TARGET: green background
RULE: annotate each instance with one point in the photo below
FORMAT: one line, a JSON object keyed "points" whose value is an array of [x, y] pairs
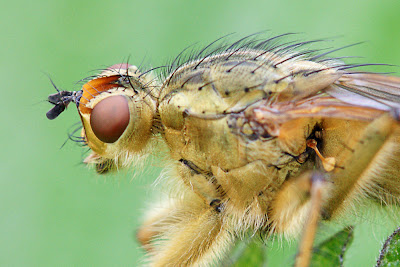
{"points": [[53, 211]]}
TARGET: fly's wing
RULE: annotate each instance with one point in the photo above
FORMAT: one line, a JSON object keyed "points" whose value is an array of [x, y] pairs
{"points": [[353, 97], [321, 105], [369, 90], [359, 98]]}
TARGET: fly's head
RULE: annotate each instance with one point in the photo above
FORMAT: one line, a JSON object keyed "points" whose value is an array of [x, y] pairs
{"points": [[117, 110]]}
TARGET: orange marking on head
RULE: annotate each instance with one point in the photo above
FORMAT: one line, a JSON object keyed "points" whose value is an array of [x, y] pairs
{"points": [[94, 87]]}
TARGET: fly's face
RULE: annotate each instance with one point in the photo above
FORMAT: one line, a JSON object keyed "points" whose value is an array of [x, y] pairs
{"points": [[117, 111]]}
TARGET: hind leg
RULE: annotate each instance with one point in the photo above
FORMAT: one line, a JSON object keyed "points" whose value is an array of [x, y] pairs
{"points": [[302, 201]]}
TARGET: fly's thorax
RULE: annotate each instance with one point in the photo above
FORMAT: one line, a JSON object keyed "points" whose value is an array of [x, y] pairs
{"points": [[308, 77], [217, 85], [234, 80], [206, 143], [214, 117], [198, 99], [117, 112]]}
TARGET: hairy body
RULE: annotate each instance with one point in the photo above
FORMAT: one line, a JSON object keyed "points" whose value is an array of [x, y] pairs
{"points": [[248, 129]]}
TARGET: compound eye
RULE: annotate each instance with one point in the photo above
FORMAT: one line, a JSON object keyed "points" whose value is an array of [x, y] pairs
{"points": [[109, 118]]}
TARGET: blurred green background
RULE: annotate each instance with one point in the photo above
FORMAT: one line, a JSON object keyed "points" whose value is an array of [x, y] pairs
{"points": [[53, 211]]}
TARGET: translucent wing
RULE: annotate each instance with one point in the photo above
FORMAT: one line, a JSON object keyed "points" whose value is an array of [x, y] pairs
{"points": [[359, 97], [352, 96], [369, 90]]}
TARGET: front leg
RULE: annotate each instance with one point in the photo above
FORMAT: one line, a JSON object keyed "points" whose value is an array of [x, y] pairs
{"points": [[189, 232]]}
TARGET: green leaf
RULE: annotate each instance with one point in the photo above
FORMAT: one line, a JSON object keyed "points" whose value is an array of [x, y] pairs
{"points": [[390, 253], [250, 254], [331, 251]]}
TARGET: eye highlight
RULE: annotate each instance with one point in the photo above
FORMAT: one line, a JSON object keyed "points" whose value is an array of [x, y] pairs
{"points": [[109, 118]]}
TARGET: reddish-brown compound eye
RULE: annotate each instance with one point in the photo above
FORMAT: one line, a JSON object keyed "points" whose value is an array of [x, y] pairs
{"points": [[109, 118]]}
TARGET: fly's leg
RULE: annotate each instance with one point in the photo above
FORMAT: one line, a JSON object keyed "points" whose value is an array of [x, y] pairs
{"points": [[198, 239], [363, 169], [298, 204], [310, 228], [344, 180], [306, 197], [156, 220], [188, 232]]}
